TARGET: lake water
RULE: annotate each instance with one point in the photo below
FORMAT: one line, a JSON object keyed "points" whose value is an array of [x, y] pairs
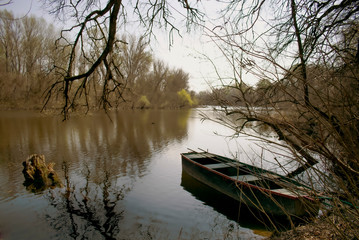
{"points": [[123, 178]]}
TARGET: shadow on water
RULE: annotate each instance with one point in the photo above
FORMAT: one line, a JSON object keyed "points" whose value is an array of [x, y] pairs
{"points": [[231, 208]]}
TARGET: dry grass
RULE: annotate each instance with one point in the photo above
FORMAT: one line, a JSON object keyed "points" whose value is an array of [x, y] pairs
{"points": [[330, 227]]}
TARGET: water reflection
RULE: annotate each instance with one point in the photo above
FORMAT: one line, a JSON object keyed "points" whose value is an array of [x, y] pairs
{"points": [[232, 209], [100, 158], [121, 144], [91, 211], [122, 177]]}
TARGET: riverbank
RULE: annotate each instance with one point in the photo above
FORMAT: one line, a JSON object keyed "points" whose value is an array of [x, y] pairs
{"points": [[58, 108], [330, 227]]}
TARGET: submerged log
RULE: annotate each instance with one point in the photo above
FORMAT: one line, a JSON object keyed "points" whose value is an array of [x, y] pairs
{"points": [[39, 175]]}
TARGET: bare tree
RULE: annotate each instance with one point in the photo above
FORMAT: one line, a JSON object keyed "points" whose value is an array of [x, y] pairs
{"points": [[10, 40], [307, 50], [5, 2], [90, 14], [27, 54]]}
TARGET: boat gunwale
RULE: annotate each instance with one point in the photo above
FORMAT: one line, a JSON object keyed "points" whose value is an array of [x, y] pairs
{"points": [[246, 183]]}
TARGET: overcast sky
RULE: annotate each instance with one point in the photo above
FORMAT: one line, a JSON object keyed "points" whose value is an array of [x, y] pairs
{"points": [[185, 53]]}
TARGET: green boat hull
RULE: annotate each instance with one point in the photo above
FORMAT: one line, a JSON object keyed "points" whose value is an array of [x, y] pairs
{"points": [[266, 195]]}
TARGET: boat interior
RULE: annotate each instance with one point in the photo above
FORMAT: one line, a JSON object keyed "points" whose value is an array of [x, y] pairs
{"points": [[246, 173]]}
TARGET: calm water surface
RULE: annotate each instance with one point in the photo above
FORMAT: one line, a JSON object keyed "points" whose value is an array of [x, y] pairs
{"points": [[123, 178]]}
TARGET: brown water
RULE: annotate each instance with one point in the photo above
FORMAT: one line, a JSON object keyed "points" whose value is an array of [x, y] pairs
{"points": [[123, 176]]}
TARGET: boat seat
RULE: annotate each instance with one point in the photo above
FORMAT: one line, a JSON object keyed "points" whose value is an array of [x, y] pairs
{"points": [[245, 178], [286, 192], [270, 176], [218, 165], [199, 155]]}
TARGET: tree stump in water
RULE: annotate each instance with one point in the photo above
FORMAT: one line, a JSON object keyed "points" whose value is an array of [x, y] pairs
{"points": [[38, 175]]}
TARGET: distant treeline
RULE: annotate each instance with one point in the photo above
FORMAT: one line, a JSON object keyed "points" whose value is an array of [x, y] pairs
{"points": [[32, 52], [27, 57]]}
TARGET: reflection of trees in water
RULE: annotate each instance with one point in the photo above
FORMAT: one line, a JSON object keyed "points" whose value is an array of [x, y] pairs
{"points": [[250, 218], [105, 160], [126, 143], [101, 161], [91, 211], [123, 143]]}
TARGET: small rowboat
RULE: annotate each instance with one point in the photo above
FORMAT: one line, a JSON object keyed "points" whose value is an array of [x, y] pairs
{"points": [[264, 190]]}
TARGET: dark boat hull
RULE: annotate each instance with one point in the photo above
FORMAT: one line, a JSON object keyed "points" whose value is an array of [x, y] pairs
{"points": [[262, 199]]}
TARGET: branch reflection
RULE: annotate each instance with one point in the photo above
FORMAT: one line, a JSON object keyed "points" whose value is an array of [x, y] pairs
{"points": [[89, 211]]}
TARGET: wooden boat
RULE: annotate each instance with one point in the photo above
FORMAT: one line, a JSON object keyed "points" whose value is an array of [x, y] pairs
{"points": [[264, 190]]}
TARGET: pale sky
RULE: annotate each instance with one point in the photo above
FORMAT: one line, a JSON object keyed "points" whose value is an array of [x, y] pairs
{"points": [[185, 53]]}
